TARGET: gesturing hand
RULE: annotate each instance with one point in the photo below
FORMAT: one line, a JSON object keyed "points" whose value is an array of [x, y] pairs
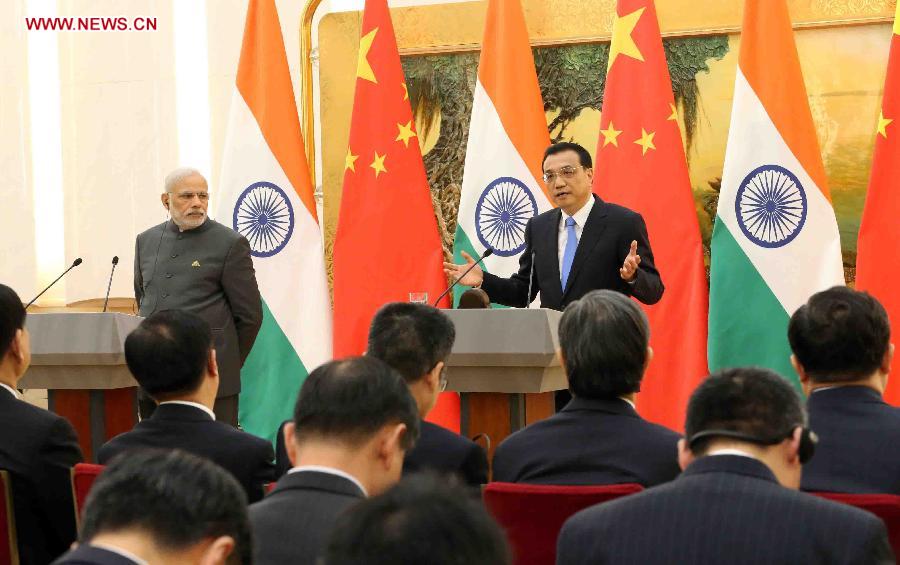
{"points": [[630, 266], [472, 278]]}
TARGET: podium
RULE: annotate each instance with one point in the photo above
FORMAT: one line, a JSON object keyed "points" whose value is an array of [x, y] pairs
{"points": [[505, 368], [79, 358]]}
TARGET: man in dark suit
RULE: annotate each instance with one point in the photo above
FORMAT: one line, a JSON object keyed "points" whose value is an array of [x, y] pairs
{"points": [[194, 263], [37, 448], [583, 245], [353, 422], [598, 438], [416, 339], [842, 351], [172, 357], [736, 501], [163, 507]]}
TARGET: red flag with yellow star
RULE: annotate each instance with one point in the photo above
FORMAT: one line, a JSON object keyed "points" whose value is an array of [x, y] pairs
{"points": [[641, 165], [878, 252], [387, 244]]}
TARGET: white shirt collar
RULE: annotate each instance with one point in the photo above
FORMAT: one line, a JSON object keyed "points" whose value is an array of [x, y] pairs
{"points": [[11, 390], [330, 471], [629, 402], [581, 216], [731, 451], [194, 404], [122, 552]]}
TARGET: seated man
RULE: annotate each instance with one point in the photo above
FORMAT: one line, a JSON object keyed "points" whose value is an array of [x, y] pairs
{"points": [[163, 507], [37, 448], [415, 339], [353, 423], [736, 501], [421, 520], [842, 352], [172, 357], [598, 438]]}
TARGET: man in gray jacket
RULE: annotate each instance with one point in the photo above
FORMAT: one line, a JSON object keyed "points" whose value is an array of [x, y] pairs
{"points": [[194, 263]]}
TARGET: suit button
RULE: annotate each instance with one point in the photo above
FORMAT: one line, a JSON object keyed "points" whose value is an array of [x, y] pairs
{"points": [[168, 275], [165, 295], [175, 255]]}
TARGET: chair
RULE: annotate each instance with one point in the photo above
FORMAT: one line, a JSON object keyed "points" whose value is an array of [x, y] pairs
{"points": [[83, 477], [9, 548], [532, 515], [885, 506]]}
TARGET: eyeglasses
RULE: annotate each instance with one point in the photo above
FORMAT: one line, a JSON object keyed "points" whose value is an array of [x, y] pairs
{"points": [[188, 196], [566, 172]]}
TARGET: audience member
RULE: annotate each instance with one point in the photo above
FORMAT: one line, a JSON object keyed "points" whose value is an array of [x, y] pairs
{"points": [[172, 357], [37, 448], [842, 352], [421, 520], [353, 422], [598, 438], [416, 339], [163, 507], [736, 501]]}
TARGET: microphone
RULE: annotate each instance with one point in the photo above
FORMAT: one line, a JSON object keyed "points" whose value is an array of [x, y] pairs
{"points": [[530, 279], [74, 264], [115, 262], [487, 253]]}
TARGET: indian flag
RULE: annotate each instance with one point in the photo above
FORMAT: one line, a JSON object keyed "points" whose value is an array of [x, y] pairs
{"points": [[776, 239], [501, 189], [265, 193]]}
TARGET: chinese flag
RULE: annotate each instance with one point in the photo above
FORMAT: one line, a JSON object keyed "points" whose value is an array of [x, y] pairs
{"points": [[641, 165], [387, 243], [878, 250]]}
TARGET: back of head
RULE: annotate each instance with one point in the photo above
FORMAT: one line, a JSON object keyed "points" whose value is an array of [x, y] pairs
{"points": [[421, 520], [411, 338], [603, 338], [169, 353], [176, 499], [753, 402], [840, 334], [12, 317], [348, 401]]}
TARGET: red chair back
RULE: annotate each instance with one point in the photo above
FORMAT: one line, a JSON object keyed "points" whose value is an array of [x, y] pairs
{"points": [[532, 515], [83, 477], [885, 506], [9, 549]]}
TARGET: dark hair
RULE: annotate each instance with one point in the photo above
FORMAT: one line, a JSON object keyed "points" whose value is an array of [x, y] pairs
{"points": [[603, 338], [411, 338], [168, 353], [177, 498], [583, 156], [840, 334], [422, 519], [12, 317], [750, 400], [351, 399]]}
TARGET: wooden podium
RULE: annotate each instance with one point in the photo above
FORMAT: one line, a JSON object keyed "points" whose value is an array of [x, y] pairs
{"points": [[505, 368], [79, 358]]}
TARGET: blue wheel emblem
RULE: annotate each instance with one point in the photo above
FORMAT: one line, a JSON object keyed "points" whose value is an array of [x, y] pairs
{"points": [[770, 206], [504, 208], [264, 215]]}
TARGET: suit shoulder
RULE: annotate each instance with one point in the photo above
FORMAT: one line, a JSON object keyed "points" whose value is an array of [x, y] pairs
{"points": [[436, 434], [221, 230], [152, 231], [619, 211]]}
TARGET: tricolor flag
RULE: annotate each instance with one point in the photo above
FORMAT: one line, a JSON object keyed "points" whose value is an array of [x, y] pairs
{"points": [[266, 194], [878, 247], [501, 188], [640, 164], [775, 240]]}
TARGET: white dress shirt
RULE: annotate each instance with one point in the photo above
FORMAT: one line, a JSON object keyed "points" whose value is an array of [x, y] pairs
{"points": [[330, 471], [580, 217], [729, 451], [194, 404], [11, 390]]}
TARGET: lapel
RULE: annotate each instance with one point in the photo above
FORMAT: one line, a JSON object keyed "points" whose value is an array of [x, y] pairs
{"points": [[590, 235], [550, 236]]}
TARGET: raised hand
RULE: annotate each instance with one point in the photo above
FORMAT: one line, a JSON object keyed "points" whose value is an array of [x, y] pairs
{"points": [[630, 265], [472, 278]]}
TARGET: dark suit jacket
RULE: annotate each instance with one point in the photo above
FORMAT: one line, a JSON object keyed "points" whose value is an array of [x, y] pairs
{"points": [[292, 524], [39, 448], [89, 555], [723, 509], [172, 426], [207, 270], [439, 449], [605, 241], [859, 442], [590, 442]]}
